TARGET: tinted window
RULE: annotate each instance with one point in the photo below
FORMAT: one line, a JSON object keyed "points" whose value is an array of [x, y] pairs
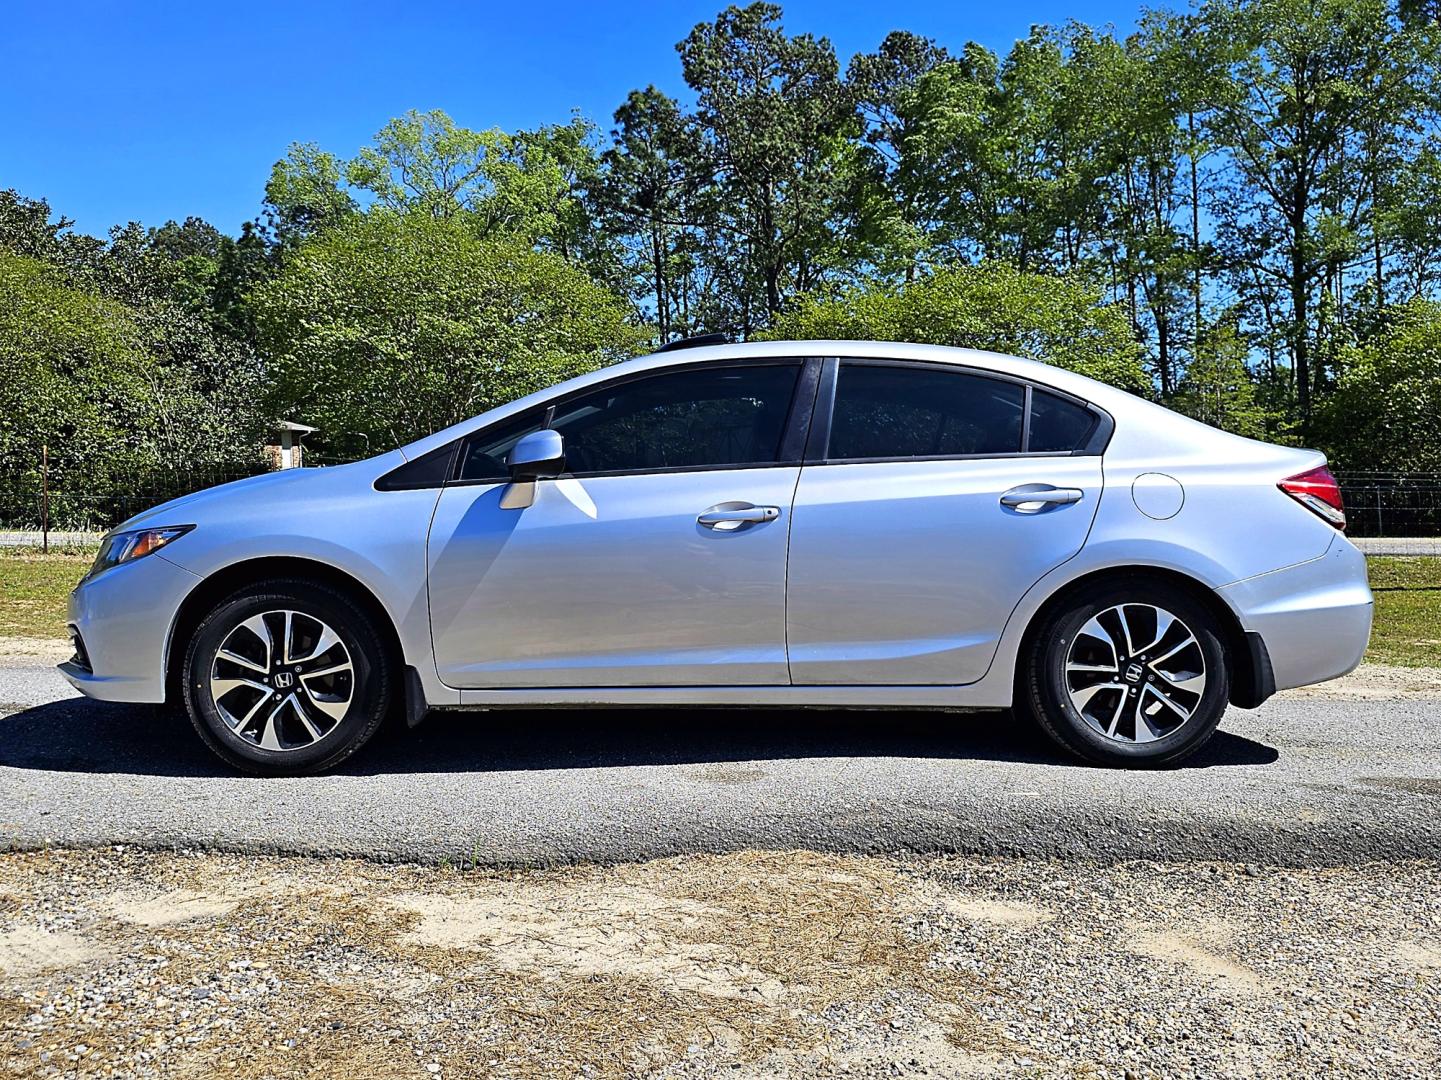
{"points": [[681, 419], [1057, 425], [431, 470], [483, 456], [890, 412]]}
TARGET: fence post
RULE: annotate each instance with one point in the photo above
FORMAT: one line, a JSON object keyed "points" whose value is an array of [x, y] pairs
{"points": [[45, 498]]}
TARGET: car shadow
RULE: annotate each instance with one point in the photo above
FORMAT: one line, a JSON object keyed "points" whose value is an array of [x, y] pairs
{"points": [[81, 736]]}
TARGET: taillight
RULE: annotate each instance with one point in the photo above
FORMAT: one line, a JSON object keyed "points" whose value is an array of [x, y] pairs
{"points": [[1316, 489]]}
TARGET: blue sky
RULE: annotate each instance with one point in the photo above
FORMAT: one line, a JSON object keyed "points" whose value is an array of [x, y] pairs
{"points": [[127, 110]]}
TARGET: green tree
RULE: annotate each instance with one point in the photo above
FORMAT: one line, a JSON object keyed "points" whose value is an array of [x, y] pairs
{"points": [[1219, 389], [895, 188], [1149, 88], [82, 373], [390, 326], [1008, 153], [1384, 411], [651, 192], [26, 229], [529, 185], [1316, 90], [70, 371], [306, 194], [779, 127], [1060, 320]]}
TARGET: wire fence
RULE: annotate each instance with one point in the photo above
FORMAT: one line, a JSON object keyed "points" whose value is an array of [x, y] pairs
{"points": [[1402, 508], [32, 503], [1392, 504]]}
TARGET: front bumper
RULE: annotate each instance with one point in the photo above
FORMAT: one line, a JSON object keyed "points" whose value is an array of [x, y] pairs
{"points": [[1314, 617], [124, 617]]}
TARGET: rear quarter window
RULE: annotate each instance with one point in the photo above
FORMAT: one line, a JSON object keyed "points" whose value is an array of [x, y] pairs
{"points": [[1058, 426]]}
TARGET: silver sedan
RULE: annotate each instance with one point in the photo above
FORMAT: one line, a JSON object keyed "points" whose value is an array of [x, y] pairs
{"points": [[830, 524]]}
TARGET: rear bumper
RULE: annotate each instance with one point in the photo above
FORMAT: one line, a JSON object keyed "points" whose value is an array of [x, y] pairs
{"points": [[124, 618], [1314, 618]]}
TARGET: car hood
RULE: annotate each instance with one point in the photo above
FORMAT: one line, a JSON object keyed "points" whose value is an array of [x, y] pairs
{"points": [[269, 487]]}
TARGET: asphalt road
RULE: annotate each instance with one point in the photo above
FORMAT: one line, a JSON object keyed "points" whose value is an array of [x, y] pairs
{"points": [[1301, 781]]}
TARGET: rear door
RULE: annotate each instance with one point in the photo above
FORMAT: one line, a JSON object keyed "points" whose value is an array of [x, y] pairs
{"points": [[933, 497]]}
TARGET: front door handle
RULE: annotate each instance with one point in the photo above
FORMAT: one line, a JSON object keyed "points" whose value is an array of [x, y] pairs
{"points": [[1033, 498], [727, 517]]}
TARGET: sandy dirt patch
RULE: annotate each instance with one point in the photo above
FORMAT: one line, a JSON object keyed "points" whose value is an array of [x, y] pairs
{"points": [[31, 950], [627, 932], [31, 649], [1177, 948], [1376, 681], [175, 906]]}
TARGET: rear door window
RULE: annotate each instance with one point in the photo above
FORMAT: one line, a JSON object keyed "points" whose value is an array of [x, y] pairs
{"points": [[894, 411]]}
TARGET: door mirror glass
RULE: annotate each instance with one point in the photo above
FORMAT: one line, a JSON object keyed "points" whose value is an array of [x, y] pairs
{"points": [[537, 456]]}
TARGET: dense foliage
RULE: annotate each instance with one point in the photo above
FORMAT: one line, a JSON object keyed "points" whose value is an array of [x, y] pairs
{"points": [[393, 325], [991, 306], [1236, 209], [1387, 405]]}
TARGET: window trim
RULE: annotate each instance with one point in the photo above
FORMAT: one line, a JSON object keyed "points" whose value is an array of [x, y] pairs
{"points": [[798, 419], [1093, 444]]}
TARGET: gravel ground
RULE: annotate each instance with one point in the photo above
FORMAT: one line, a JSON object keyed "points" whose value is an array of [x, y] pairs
{"points": [[753, 964]]}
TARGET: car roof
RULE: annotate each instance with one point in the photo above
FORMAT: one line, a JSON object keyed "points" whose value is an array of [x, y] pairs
{"points": [[888, 350]]}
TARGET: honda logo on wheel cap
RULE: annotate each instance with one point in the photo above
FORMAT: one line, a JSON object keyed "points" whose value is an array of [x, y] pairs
{"points": [[1133, 673], [284, 680]]}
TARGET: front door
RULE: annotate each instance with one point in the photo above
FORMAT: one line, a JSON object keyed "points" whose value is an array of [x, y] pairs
{"points": [[658, 560], [935, 506]]}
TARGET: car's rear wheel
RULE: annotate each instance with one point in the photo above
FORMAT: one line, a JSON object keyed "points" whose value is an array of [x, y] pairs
{"points": [[1128, 673], [287, 677]]}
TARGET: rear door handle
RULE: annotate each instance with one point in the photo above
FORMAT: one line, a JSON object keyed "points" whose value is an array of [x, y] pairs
{"points": [[727, 517], [1032, 498]]}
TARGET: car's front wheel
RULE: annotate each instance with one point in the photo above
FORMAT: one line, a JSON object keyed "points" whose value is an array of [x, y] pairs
{"points": [[1128, 673], [287, 677]]}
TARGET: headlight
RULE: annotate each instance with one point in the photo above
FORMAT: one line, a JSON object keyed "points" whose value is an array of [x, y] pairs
{"points": [[123, 547]]}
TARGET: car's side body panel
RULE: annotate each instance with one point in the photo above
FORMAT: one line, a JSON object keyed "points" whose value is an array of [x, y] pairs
{"points": [[612, 581], [342, 522], [1315, 617], [903, 572]]}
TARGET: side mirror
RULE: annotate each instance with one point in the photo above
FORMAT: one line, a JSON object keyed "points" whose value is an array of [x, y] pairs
{"points": [[537, 456]]}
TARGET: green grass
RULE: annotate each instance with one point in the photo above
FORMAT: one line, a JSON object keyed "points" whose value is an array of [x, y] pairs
{"points": [[1407, 631], [33, 588]]}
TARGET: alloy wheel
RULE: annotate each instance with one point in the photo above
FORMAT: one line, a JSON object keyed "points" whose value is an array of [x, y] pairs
{"points": [[1135, 673], [282, 680]]}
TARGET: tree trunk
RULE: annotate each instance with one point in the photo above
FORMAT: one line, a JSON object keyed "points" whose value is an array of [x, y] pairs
{"points": [[1163, 350], [1300, 346], [1195, 238], [662, 302]]}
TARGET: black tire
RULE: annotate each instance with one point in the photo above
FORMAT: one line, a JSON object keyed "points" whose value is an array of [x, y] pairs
{"points": [[1044, 688], [369, 683]]}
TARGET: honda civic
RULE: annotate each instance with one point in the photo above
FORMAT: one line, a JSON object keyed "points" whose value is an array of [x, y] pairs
{"points": [[774, 524]]}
